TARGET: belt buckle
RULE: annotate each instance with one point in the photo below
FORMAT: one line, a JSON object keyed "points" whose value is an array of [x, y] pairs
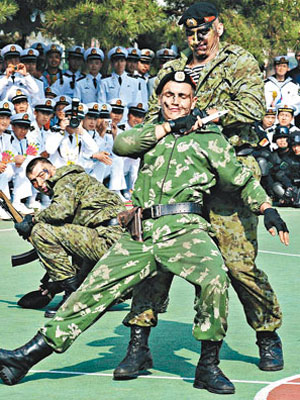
{"points": [[155, 211]]}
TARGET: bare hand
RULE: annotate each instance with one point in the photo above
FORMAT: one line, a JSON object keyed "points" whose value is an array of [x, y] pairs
{"points": [[63, 123], [45, 154], [22, 69], [103, 156], [101, 127], [3, 167], [19, 159]]}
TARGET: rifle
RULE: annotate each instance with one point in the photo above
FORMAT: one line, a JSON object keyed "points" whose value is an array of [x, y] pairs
{"points": [[30, 255]]}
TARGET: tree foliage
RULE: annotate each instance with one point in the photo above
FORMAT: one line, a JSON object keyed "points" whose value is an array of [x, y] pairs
{"points": [[264, 27]]}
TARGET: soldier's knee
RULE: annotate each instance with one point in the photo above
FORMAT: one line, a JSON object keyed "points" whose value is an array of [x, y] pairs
{"points": [[37, 233]]}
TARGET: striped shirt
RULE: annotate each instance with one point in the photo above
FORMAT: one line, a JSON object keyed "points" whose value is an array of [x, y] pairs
{"points": [[194, 72]]}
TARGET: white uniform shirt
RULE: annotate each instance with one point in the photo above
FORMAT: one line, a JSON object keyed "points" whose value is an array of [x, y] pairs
{"points": [[286, 92], [85, 89]]}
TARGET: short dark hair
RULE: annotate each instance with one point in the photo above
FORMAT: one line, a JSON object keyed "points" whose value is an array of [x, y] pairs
{"points": [[34, 162]]}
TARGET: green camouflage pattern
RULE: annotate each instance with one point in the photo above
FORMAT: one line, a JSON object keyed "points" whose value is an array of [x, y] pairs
{"points": [[170, 240], [173, 169], [236, 233], [73, 222], [56, 243], [231, 81]]}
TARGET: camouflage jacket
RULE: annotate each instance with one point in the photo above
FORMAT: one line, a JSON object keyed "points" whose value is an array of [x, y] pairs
{"points": [[182, 168], [231, 81], [79, 199]]}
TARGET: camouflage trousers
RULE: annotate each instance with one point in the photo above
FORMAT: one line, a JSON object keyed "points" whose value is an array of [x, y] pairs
{"points": [[235, 229], [175, 244], [62, 249]]}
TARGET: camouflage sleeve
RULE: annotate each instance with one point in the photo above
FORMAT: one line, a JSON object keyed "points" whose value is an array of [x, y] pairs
{"points": [[245, 100], [136, 141], [233, 176], [63, 204]]}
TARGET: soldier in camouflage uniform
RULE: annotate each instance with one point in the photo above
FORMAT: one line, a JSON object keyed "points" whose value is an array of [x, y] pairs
{"points": [[180, 163], [76, 229], [227, 78]]}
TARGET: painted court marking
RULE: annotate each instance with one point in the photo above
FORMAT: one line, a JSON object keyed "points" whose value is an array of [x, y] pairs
{"points": [[180, 378], [263, 394]]}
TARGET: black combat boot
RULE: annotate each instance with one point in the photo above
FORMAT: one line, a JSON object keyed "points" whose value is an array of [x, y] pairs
{"points": [[69, 286], [138, 357], [14, 364], [270, 351], [208, 374]]}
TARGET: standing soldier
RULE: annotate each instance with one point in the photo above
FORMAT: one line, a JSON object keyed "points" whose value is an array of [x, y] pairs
{"points": [[87, 89], [227, 78], [52, 73]]}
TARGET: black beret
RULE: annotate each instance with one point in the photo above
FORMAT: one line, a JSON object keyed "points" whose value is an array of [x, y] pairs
{"points": [[281, 132], [199, 14], [176, 76]]}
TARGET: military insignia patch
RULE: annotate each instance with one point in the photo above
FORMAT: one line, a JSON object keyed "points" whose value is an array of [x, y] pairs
{"points": [[179, 76]]}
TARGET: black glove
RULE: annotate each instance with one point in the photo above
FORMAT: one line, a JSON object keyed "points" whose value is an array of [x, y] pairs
{"points": [[272, 218], [184, 124], [24, 228]]}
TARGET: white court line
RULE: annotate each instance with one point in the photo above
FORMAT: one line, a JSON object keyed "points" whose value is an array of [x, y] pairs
{"points": [[7, 230], [180, 378], [279, 254], [263, 393]]}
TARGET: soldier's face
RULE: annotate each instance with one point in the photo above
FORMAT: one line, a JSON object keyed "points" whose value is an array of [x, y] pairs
{"points": [[4, 122], [177, 100], [116, 117], [39, 175], [59, 111], [30, 67], [143, 66], [42, 118], [75, 63], [131, 66], [204, 41], [282, 143], [119, 65], [134, 120], [296, 149], [21, 107], [54, 59], [285, 118], [281, 70], [268, 121], [20, 130], [89, 123], [94, 66]]}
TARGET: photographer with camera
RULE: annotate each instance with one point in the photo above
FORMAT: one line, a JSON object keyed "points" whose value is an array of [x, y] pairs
{"points": [[16, 75], [71, 144]]}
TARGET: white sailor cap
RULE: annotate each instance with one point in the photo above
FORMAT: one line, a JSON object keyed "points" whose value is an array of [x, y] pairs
{"points": [[18, 95], [167, 54], [11, 50], [46, 105], [133, 53], [139, 109], [21, 119], [39, 46], [51, 92], [29, 54], [147, 55], [6, 108], [76, 51], [105, 110], [54, 48], [117, 51], [93, 109], [281, 60], [117, 105], [93, 53], [281, 107], [82, 110], [66, 100]]}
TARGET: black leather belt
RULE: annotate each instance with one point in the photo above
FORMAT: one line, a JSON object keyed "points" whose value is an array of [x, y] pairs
{"points": [[167, 209], [110, 222]]}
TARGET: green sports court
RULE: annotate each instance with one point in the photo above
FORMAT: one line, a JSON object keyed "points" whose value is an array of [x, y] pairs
{"points": [[85, 371]]}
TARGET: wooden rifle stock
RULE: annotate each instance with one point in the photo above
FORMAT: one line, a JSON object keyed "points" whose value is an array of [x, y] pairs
{"points": [[30, 255]]}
